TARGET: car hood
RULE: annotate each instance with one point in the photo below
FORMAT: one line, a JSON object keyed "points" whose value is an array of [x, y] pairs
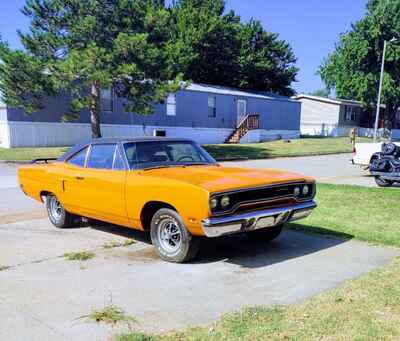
{"points": [[219, 178]]}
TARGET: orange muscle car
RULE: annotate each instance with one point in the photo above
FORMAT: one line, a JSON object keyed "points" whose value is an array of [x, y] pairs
{"points": [[170, 187]]}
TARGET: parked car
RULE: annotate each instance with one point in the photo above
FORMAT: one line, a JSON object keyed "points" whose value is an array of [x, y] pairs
{"points": [[363, 153], [170, 187]]}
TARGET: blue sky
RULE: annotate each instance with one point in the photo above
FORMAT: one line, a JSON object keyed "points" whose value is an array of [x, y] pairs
{"points": [[310, 26]]}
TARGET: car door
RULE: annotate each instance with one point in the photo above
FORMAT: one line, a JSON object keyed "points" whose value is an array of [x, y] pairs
{"points": [[104, 184], [98, 188]]}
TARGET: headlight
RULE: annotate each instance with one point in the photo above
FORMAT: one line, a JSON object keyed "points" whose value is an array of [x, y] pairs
{"points": [[296, 191], [225, 201], [213, 203], [306, 190]]}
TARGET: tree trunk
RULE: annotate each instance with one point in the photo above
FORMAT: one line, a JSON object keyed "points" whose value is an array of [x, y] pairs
{"points": [[95, 110]]}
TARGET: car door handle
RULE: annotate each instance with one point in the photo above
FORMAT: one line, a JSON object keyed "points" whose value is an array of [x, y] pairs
{"points": [[79, 178]]}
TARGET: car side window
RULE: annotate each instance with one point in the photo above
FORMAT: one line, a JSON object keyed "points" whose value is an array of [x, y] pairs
{"points": [[101, 156], [118, 160], [79, 158], [131, 156]]}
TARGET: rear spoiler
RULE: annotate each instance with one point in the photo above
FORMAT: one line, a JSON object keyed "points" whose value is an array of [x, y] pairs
{"points": [[44, 160]]}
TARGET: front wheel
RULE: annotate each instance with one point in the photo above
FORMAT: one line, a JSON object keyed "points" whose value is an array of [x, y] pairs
{"points": [[382, 182], [173, 242], [58, 216], [267, 234]]}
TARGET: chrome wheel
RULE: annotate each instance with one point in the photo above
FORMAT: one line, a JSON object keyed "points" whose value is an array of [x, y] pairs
{"points": [[170, 235], [56, 209]]}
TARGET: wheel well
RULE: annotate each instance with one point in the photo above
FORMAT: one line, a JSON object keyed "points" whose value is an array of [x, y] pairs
{"points": [[44, 194], [149, 210]]}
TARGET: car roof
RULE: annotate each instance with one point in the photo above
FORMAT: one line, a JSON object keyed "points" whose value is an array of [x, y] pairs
{"points": [[105, 140]]}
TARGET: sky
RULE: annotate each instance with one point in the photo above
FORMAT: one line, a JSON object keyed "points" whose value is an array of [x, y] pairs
{"points": [[312, 27]]}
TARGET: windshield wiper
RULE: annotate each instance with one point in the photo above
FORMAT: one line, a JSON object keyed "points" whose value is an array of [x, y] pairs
{"points": [[158, 167]]}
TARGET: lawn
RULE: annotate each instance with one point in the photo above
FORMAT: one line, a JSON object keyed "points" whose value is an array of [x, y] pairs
{"points": [[297, 147], [25, 154], [367, 214], [367, 308]]}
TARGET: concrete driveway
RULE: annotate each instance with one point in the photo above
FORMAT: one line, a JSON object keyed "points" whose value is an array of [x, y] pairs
{"points": [[43, 296]]}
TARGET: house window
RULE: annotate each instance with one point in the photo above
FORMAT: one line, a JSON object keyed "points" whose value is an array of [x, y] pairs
{"points": [[107, 100], [171, 105], [212, 106], [350, 113]]}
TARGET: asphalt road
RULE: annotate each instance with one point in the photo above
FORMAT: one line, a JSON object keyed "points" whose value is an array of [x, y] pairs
{"points": [[335, 169], [43, 296]]}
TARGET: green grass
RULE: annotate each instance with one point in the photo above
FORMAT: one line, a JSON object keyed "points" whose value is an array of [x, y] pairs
{"points": [[367, 308], [111, 315], [27, 154], [367, 214], [296, 147], [112, 244], [81, 256]]}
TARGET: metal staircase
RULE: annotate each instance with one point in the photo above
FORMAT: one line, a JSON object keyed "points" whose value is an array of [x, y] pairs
{"points": [[250, 122]]}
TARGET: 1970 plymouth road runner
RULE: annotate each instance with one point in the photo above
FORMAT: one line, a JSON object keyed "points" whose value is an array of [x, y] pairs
{"points": [[170, 187]]}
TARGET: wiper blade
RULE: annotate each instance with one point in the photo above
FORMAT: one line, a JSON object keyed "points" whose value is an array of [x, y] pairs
{"points": [[196, 164], [157, 167]]}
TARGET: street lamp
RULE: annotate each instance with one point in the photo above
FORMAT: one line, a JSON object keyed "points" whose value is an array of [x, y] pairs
{"points": [[378, 106]]}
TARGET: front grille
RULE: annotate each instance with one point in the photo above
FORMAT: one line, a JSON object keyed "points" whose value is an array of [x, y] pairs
{"points": [[261, 197]]}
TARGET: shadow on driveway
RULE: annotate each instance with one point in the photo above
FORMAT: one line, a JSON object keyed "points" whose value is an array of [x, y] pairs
{"points": [[294, 242]]}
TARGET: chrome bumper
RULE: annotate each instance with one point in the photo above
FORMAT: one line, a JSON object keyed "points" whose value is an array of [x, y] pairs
{"points": [[215, 227]]}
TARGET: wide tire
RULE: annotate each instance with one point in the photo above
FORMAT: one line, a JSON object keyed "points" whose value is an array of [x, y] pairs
{"points": [[172, 241], [382, 182], [265, 235], [58, 216]]}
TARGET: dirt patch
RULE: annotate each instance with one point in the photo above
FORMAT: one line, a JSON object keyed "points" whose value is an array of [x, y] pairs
{"points": [[145, 255], [16, 217]]}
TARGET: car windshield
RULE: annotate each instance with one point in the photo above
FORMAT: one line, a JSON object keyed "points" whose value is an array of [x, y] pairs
{"points": [[160, 154]]}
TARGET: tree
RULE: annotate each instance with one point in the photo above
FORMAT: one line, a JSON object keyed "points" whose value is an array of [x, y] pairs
{"points": [[353, 69], [320, 93], [83, 46], [214, 47]]}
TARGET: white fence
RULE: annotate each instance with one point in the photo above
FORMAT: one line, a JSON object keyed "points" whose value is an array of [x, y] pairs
{"points": [[334, 130]]}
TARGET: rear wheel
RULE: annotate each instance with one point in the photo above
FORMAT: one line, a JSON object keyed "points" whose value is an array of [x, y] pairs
{"points": [[173, 242], [58, 216], [267, 234], [383, 182]]}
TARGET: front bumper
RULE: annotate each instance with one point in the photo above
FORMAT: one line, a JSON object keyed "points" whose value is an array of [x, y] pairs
{"points": [[219, 226]]}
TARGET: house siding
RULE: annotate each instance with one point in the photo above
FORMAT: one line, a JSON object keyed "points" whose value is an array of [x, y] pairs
{"points": [[41, 128]]}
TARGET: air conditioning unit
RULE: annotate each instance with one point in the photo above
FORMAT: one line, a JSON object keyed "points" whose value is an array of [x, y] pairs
{"points": [[159, 133]]}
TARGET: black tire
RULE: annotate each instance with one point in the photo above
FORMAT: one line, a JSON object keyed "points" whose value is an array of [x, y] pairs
{"points": [[172, 241], [266, 235], [382, 182], [58, 216]]}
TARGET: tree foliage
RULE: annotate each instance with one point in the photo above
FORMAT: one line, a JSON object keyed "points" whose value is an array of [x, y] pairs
{"points": [[83, 46], [320, 93], [143, 49], [215, 47], [353, 69]]}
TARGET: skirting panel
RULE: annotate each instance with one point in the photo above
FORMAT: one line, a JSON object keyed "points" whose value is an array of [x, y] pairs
{"points": [[35, 134], [4, 134], [262, 135]]}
